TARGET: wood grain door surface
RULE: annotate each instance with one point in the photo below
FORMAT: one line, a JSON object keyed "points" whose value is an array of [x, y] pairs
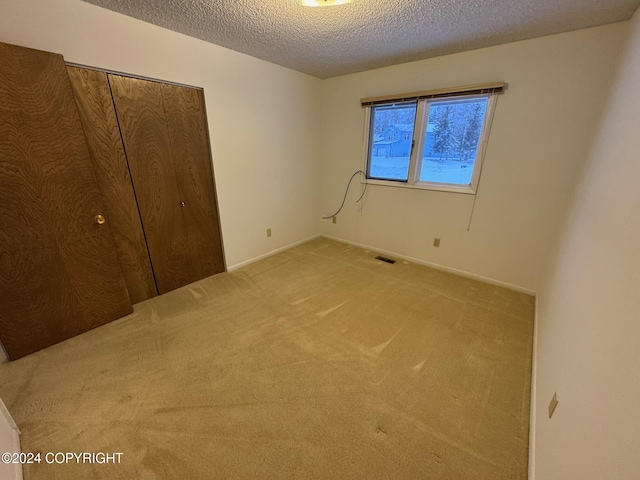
{"points": [[164, 132], [98, 116], [188, 133], [59, 271]]}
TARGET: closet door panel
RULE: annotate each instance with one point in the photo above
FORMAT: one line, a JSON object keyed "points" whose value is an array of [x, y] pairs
{"points": [[59, 273], [186, 122], [95, 105], [141, 116]]}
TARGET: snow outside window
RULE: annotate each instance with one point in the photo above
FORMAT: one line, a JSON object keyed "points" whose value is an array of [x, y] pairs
{"points": [[435, 143]]}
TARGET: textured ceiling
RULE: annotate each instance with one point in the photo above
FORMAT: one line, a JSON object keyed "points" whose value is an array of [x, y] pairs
{"points": [[365, 34]]}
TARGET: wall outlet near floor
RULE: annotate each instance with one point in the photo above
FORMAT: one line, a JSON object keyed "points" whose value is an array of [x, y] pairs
{"points": [[436, 242], [333, 219], [553, 404], [268, 232]]}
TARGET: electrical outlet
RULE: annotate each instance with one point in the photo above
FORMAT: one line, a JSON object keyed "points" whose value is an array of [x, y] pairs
{"points": [[436, 242], [268, 232], [333, 219], [553, 404]]}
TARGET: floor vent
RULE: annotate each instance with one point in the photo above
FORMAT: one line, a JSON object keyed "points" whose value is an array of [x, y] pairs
{"points": [[385, 259]]}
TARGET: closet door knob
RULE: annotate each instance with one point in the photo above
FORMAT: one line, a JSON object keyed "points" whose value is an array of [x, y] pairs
{"points": [[99, 219], [182, 204]]}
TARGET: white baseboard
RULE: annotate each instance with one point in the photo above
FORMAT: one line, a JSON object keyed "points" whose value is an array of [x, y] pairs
{"points": [[437, 266], [9, 442], [271, 253], [532, 405]]}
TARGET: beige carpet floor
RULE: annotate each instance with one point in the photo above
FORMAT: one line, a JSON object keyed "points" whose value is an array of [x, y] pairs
{"points": [[317, 363]]}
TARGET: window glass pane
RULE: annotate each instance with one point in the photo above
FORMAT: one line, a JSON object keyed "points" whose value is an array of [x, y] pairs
{"points": [[451, 142], [390, 138]]}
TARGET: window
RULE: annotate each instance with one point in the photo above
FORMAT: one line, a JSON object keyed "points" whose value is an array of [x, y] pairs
{"points": [[434, 140]]}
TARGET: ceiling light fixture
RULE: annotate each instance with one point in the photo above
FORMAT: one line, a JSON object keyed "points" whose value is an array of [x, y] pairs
{"points": [[323, 3]]}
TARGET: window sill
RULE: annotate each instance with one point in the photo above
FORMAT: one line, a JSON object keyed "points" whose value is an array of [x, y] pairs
{"points": [[438, 187]]}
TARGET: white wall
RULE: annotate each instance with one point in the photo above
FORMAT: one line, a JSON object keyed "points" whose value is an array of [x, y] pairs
{"points": [[588, 345], [262, 117], [541, 134], [9, 442]]}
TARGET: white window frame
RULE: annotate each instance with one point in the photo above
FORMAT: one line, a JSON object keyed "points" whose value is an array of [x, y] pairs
{"points": [[415, 158]]}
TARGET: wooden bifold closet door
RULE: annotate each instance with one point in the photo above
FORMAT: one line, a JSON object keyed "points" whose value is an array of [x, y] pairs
{"points": [[107, 196], [164, 131], [98, 116], [59, 271], [150, 146]]}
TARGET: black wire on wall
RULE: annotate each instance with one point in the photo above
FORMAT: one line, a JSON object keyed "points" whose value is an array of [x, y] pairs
{"points": [[347, 191]]}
